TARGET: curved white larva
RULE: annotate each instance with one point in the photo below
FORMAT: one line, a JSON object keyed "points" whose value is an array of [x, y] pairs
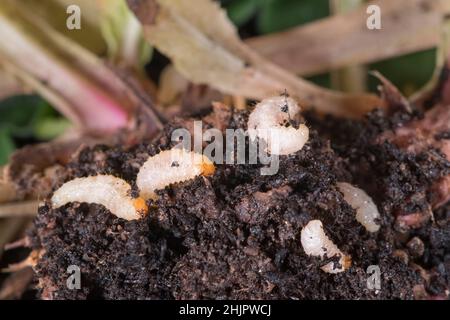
{"points": [[316, 243], [366, 210], [111, 192], [270, 122], [171, 166]]}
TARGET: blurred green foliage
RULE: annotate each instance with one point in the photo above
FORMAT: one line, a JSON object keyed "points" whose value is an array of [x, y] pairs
{"points": [[276, 15], [409, 72], [241, 12], [28, 119], [6, 145]]}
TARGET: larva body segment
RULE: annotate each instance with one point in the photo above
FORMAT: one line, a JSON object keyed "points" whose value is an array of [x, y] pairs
{"points": [[171, 166], [271, 121], [111, 192], [366, 211], [316, 243]]}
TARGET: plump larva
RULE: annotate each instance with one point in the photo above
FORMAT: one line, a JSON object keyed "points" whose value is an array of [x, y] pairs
{"points": [[171, 166], [316, 243], [271, 121], [111, 192], [366, 210]]}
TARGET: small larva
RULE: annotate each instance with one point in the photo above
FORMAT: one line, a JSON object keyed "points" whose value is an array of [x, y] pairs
{"points": [[271, 122], [111, 192], [366, 210], [316, 243], [171, 166]]}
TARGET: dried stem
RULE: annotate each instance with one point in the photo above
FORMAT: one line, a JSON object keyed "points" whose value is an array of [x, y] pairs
{"points": [[9, 86], [9, 229], [7, 191], [438, 80], [16, 284], [62, 71], [343, 40], [213, 54], [21, 243], [351, 78], [19, 209], [30, 261]]}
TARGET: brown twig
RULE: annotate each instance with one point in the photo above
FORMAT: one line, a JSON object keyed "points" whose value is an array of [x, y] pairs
{"points": [[9, 229], [30, 261], [21, 243]]}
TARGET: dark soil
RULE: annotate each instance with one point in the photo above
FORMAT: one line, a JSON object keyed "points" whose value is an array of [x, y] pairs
{"points": [[236, 234]]}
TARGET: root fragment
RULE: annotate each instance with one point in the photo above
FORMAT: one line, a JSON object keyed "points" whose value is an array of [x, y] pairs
{"points": [[30, 261]]}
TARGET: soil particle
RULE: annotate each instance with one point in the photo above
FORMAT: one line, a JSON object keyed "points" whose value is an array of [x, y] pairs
{"points": [[416, 247]]}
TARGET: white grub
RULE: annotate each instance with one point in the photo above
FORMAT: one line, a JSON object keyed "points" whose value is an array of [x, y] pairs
{"points": [[271, 122], [316, 243], [366, 210], [171, 166], [111, 192]]}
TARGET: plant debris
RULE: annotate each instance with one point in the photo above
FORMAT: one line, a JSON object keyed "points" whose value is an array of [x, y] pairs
{"points": [[223, 61]]}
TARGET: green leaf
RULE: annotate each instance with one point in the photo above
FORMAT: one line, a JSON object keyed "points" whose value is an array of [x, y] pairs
{"points": [[19, 110], [50, 128], [322, 80], [31, 117], [6, 145], [47, 124], [241, 11], [278, 15]]}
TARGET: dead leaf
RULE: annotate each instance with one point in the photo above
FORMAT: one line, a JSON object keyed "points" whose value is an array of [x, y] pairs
{"points": [[212, 53]]}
